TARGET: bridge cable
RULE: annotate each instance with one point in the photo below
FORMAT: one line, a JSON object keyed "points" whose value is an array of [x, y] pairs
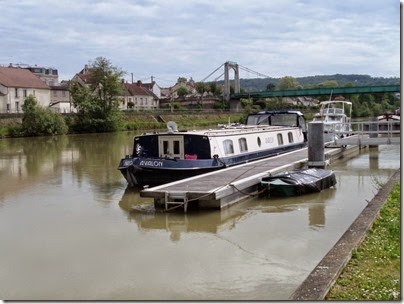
{"points": [[254, 72], [203, 80], [217, 78]]}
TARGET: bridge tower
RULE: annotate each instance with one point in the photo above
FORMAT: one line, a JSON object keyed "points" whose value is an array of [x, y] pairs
{"points": [[228, 65]]}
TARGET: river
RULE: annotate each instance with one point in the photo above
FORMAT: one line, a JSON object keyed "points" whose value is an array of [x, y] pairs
{"points": [[70, 229]]}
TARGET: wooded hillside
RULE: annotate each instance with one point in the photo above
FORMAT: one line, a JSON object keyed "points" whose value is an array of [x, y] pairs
{"points": [[260, 84]]}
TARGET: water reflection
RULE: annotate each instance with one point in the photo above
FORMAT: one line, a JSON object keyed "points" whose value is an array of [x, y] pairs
{"points": [[315, 203], [146, 217], [93, 159], [142, 212]]}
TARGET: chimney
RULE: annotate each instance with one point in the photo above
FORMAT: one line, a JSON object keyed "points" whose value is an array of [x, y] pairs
{"points": [[139, 83]]}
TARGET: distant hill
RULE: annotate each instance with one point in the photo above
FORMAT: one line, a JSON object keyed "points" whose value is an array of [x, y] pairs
{"points": [[260, 84]]}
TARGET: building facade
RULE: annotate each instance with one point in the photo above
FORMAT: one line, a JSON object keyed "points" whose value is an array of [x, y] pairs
{"points": [[136, 97], [16, 84]]}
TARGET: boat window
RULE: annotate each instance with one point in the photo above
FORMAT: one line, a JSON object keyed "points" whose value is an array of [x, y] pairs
{"points": [[197, 145], [165, 147], [171, 146], [228, 146], [259, 119], [176, 144], [284, 120], [290, 137], [280, 139], [243, 144], [259, 141]]}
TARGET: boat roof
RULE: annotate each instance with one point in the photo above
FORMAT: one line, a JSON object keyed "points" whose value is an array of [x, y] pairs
{"points": [[278, 112], [227, 130], [335, 101]]}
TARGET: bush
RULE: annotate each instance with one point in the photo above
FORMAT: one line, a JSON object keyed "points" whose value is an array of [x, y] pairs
{"points": [[39, 121]]}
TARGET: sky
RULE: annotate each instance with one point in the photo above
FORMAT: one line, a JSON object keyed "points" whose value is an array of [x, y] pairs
{"points": [[168, 39]]}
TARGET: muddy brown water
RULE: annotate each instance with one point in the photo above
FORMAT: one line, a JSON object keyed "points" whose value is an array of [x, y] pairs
{"points": [[71, 229]]}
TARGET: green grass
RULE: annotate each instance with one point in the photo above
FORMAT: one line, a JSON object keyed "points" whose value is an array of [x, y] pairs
{"points": [[373, 273]]}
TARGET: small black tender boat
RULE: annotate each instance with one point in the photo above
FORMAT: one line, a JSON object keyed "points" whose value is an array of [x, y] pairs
{"points": [[298, 182]]}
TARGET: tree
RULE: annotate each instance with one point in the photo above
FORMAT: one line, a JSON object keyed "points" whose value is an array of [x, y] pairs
{"points": [[181, 80], [40, 121], [270, 87], [289, 83], [182, 91], [105, 79], [328, 84], [98, 103], [200, 87], [213, 87]]}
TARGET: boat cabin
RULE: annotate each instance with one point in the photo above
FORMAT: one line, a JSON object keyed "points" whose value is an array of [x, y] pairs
{"points": [[174, 146]]}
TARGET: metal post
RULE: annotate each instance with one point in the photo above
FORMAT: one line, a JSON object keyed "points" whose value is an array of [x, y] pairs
{"points": [[315, 149], [373, 128]]}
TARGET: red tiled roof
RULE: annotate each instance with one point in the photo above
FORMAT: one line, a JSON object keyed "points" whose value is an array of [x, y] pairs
{"points": [[135, 89], [20, 78]]}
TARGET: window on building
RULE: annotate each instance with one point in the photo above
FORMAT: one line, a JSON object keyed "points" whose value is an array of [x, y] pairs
{"points": [[24, 93], [228, 146], [17, 106], [243, 144], [16, 92], [8, 108]]}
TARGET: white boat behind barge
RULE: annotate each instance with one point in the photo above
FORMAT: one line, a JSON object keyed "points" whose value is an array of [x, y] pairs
{"points": [[159, 158], [336, 116]]}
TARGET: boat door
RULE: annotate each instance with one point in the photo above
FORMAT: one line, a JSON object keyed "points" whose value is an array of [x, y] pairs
{"points": [[171, 146]]}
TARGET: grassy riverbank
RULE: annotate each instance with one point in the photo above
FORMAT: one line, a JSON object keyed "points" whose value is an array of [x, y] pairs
{"points": [[12, 127], [184, 120], [373, 273]]}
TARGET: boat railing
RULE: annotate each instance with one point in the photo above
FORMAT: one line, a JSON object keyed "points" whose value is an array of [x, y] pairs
{"points": [[366, 128]]}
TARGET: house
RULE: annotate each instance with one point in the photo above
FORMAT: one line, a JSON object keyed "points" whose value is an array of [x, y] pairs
{"points": [[16, 84], [136, 97], [82, 77], [60, 98], [189, 85], [48, 75], [153, 87]]}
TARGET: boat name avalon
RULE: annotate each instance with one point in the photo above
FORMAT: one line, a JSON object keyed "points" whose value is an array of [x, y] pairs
{"points": [[159, 158]]}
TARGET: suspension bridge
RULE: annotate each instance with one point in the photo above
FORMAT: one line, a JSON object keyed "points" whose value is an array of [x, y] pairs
{"points": [[235, 97]]}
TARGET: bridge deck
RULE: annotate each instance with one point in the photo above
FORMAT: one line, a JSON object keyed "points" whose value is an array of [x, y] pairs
{"points": [[319, 91]]}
